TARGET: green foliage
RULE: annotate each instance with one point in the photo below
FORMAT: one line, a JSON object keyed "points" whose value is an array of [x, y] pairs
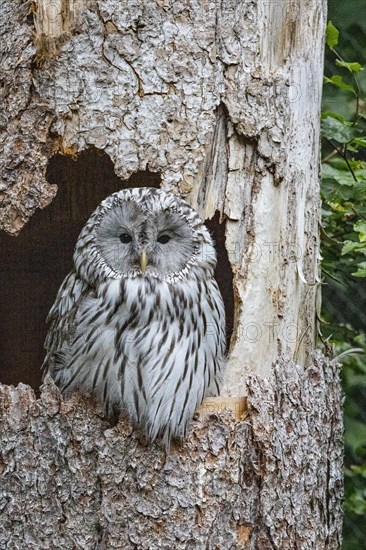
{"points": [[344, 255], [332, 35]]}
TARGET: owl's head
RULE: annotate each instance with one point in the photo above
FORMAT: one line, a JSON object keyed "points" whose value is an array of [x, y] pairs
{"points": [[142, 232]]}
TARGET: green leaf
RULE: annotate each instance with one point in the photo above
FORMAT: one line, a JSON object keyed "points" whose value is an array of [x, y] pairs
{"points": [[332, 35], [341, 131], [357, 470], [360, 227], [355, 432], [351, 246], [352, 67], [326, 114], [356, 502], [336, 206], [360, 141], [361, 272], [337, 80]]}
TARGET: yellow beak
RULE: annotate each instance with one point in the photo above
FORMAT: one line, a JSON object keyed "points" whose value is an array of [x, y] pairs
{"points": [[143, 260]]}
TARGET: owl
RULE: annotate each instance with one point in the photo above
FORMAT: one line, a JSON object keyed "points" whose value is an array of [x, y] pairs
{"points": [[139, 322]]}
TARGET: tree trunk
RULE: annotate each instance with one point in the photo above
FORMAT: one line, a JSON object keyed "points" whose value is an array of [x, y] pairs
{"points": [[221, 102]]}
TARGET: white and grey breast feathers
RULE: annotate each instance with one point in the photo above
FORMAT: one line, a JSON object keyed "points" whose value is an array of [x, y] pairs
{"points": [[141, 325]]}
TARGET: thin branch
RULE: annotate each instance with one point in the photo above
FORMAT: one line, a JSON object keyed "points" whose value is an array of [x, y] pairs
{"points": [[357, 214], [334, 278], [344, 156], [328, 238], [352, 351], [329, 156], [358, 94]]}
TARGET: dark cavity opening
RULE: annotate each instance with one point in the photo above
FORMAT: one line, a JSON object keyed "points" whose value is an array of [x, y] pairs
{"points": [[223, 273], [35, 263]]}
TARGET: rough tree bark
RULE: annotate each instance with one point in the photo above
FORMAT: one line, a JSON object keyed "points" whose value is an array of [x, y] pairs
{"points": [[222, 99]]}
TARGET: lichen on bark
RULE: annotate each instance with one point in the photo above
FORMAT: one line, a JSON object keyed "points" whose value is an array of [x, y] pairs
{"points": [[25, 120], [68, 480]]}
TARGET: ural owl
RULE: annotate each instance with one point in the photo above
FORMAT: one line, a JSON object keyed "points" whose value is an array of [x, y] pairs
{"points": [[139, 323]]}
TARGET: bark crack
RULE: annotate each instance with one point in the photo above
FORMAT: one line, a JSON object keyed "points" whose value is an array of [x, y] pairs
{"points": [[140, 89]]}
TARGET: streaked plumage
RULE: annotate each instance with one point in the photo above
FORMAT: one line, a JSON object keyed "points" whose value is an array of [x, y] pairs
{"points": [[140, 321]]}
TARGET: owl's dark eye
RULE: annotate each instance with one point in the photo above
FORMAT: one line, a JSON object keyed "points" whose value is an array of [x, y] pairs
{"points": [[163, 239], [125, 238]]}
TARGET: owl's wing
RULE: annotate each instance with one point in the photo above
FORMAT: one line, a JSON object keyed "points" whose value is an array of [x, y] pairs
{"points": [[61, 322]]}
